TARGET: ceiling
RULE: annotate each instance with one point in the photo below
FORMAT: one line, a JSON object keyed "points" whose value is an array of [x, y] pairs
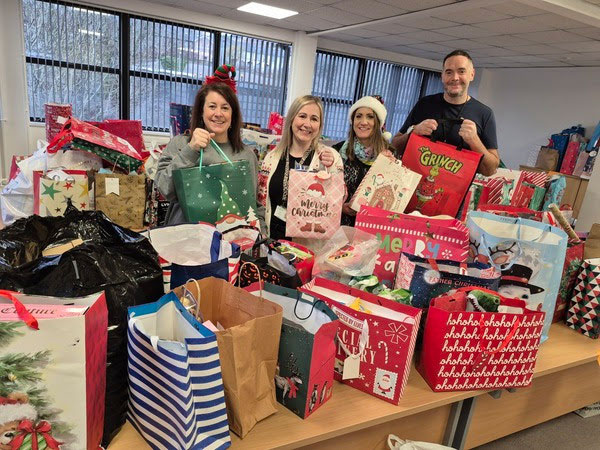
{"points": [[525, 33]]}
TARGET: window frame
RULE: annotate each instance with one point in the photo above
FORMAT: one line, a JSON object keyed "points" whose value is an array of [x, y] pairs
{"points": [[124, 71]]}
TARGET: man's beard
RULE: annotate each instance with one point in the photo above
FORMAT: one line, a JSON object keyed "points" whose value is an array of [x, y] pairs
{"points": [[456, 94]]}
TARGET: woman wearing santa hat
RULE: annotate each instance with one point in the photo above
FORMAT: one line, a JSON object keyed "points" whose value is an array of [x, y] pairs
{"points": [[299, 148], [366, 140], [217, 116]]}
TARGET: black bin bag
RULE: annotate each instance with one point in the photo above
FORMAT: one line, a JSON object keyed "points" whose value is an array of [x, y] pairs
{"points": [[112, 259]]}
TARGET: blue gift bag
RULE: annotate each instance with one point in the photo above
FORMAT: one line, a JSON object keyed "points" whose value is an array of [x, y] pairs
{"points": [[529, 254], [176, 395]]}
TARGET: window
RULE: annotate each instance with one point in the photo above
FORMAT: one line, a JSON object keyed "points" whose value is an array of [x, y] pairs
{"points": [[341, 80], [72, 56], [116, 65], [167, 64]]}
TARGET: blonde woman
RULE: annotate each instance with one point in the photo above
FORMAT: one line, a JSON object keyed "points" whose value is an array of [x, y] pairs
{"points": [[366, 140], [299, 148]]}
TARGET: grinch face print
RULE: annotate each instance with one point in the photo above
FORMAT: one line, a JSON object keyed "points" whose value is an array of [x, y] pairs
{"points": [[385, 383]]}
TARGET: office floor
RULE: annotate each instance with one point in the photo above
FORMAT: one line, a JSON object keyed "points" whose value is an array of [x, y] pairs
{"points": [[565, 432]]}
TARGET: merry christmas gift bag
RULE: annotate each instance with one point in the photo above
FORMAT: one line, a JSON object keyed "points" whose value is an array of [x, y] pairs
{"points": [[304, 377], [466, 347], [387, 185], [52, 371], [529, 254], [193, 251], [248, 346], [209, 193], [53, 191], [376, 338], [176, 394], [583, 314], [447, 174], [314, 208], [422, 236], [429, 278]]}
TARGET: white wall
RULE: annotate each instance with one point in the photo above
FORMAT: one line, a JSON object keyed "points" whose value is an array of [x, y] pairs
{"points": [[531, 104]]}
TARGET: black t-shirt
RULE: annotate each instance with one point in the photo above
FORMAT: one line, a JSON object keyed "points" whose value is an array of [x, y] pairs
{"points": [[277, 226], [435, 107]]}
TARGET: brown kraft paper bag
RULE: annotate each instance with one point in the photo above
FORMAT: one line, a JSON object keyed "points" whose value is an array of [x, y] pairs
{"points": [[248, 347], [122, 198], [547, 159], [592, 243]]}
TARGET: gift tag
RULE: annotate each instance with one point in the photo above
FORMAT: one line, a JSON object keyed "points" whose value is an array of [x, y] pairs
{"points": [[351, 367], [111, 186], [281, 213]]}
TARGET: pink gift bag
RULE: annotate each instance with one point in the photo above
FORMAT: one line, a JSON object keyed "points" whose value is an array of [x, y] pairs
{"points": [[314, 207]]}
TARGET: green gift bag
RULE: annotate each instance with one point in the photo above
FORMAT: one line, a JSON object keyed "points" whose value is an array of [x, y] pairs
{"points": [[209, 193]]}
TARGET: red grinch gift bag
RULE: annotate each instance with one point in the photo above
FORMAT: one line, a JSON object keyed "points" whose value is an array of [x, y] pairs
{"points": [[447, 174], [52, 371], [476, 339], [314, 208], [376, 338]]}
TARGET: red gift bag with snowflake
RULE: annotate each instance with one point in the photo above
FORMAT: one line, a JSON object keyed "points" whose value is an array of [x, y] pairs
{"points": [[446, 173], [376, 338], [314, 208]]}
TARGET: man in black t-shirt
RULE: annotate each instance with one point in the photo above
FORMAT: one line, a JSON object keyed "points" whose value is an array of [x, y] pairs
{"points": [[477, 131]]}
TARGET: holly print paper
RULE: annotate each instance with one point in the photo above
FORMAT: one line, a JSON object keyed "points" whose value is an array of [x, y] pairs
{"points": [[314, 208], [387, 185], [52, 192]]}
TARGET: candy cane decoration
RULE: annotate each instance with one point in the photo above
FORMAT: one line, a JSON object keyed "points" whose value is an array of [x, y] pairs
{"points": [[386, 349]]}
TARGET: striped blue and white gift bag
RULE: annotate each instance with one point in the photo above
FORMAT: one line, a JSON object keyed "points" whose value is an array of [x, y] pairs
{"points": [[176, 395]]}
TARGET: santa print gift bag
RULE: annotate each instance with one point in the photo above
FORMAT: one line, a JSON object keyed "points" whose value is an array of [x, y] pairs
{"points": [[529, 254], [52, 371], [428, 278], [422, 236], [466, 350], [304, 376], [447, 174], [314, 208], [387, 185], [209, 193], [381, 336], [176, 394]]}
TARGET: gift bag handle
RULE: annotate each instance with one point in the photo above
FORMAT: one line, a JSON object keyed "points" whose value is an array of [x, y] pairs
{"points": [[311, 309], [260, 281], [485, 354], [22, 312], [219, 150]]}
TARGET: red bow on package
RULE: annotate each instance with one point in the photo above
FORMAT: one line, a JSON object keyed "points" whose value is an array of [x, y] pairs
{"points": [[26, 427]]}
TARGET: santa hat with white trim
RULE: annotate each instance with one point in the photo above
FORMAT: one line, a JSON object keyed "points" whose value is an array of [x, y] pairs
{"points": [[12, 410]]}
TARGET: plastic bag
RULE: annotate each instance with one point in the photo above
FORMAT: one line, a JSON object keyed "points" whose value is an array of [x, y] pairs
{"points": [[395, 443], [111, 258], [348, 253]]}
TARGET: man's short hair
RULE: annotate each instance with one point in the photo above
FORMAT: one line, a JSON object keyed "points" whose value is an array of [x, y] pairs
{"points": [[458, 53]]}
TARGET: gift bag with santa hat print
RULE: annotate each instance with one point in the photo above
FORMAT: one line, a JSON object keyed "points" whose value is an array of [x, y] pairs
{"points": [[314, 208], [530, 256], [52, 371]]}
